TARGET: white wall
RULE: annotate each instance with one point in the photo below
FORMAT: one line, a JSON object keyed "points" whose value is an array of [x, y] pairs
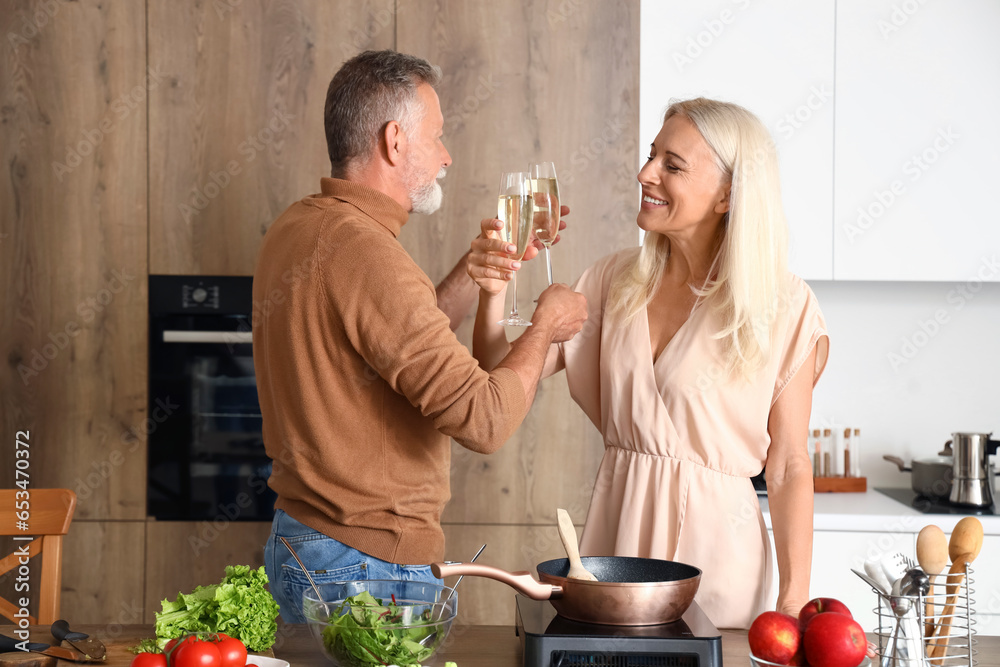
{"points": [[906, 380]]}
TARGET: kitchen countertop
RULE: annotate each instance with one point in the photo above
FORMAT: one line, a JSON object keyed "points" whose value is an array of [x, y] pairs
{"points": [[876, 512], [468, 646]]}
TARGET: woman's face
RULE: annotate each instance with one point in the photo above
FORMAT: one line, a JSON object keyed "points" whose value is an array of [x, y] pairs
{"points": [[682, 188]]}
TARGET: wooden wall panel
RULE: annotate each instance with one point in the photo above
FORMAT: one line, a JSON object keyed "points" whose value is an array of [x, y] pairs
{"points": [[524, 81], [181, 555], [534, 79], [102, 573], [73, 85], [236, 133]]}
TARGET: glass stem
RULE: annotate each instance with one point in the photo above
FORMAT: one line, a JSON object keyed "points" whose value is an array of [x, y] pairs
{"points": [[513, 293], [548, 263]]}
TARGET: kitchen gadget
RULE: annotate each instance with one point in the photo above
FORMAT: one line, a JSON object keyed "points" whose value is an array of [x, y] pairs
{"points": [[954, 643], [926, 505], [973, 482], [548, 640]]}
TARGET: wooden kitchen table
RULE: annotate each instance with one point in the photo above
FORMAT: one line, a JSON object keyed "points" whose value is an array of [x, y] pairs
{"points": [[467, 645]]}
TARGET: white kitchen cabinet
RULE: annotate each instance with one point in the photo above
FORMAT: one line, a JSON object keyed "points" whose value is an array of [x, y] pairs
{"points": [[987, 586], [774, 58], [835, 553], [918, 86], [884, 113]]}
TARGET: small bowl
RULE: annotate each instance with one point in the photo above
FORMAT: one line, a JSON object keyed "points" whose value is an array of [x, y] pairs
{"points": [[421, 611], [760, 662]]}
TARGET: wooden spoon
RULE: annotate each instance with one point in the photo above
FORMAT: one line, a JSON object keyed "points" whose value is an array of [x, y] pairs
{"points": [[567, 533], [967, 538], [965, 544], [932, 555]]}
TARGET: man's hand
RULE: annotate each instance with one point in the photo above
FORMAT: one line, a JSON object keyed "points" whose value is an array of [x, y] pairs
{"points": [[561, 310], [491, 264]]}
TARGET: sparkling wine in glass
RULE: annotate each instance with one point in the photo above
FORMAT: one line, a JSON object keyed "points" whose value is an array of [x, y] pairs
{"points": [[514, 208], [545, 189]]}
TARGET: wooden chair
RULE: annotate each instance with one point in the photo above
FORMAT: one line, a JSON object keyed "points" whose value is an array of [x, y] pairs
{"points": [[50, 513]]}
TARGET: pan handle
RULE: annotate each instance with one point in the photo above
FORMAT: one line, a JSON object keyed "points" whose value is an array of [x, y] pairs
{"points": [[522, 582], [898, 461]]}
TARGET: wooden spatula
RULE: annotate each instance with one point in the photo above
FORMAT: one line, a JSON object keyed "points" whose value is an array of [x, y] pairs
{"points": [[568, 535]]}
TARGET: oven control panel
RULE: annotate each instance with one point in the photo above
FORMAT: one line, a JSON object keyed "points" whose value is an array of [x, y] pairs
{"points": [[200, 296], [196, 295]]}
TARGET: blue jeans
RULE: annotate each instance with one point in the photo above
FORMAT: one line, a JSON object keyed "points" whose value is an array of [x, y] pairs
{"points": [[327, 560]]}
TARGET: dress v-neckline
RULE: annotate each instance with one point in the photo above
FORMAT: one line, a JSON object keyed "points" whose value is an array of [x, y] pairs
{"points": [[655, 358]]}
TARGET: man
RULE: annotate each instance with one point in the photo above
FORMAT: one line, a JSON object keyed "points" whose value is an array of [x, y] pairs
{"points": [[360, 378]]}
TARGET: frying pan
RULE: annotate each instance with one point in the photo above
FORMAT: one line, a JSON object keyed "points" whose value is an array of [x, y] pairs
{"points": [[629, 591]]}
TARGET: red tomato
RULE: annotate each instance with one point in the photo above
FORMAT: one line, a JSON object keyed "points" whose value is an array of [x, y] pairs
{"points": [[233, 652], [172, 644], [196, 654], [149, 660]]}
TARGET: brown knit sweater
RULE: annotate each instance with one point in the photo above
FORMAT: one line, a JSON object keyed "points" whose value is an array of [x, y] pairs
{"points": [[361, 380]]}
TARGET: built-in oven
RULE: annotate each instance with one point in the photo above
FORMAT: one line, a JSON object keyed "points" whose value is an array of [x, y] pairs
{"points": [[206, 451]]}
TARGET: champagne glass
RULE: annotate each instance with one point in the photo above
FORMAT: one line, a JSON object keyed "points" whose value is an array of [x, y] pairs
{"points": [[546, 214], [514, 208]]}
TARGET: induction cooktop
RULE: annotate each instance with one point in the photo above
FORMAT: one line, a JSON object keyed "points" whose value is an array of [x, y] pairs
{"points": [[549, 640], [929, 505]]}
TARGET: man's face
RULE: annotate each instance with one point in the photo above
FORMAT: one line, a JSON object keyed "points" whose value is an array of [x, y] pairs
{"points": [[426, 157]]}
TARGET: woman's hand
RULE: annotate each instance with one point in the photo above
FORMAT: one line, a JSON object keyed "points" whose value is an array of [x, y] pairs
{"points": [[491, 264], [790, 607]]}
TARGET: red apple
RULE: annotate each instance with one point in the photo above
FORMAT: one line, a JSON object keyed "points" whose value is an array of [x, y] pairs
{"points": [[819, 606], [775, 637], [834, 640], [799, 659]]}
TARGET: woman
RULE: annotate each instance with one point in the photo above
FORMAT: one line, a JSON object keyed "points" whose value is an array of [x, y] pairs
{"points": [[697, 365]]}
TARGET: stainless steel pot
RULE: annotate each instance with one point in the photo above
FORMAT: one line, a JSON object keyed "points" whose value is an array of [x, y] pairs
{"points": [[974, 475], [931, 477]]}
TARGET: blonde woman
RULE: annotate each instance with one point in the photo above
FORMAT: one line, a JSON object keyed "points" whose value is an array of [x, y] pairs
{"points": [[697, 365]]}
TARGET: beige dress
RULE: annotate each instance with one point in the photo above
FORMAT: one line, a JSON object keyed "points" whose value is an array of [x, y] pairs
{"points": [[682, 441]]}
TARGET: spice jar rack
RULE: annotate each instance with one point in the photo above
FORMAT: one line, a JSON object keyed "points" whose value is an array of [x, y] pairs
{"points": [[836, 461]]}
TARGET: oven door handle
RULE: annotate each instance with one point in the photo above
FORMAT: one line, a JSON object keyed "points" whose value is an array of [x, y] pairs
{"points": [[229, 337]]}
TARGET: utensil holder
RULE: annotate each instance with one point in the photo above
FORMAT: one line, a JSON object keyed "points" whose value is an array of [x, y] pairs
{"points": [[960, 636]]}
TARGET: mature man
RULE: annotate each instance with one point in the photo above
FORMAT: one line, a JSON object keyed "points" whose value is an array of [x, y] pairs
{"points": [[360, 378]]}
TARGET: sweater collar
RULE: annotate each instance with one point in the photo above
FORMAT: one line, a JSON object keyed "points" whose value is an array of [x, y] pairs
{"points": [[377, 205]]}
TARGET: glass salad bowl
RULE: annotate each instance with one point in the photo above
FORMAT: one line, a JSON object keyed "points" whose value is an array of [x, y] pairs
{"points": [[381, 621]]}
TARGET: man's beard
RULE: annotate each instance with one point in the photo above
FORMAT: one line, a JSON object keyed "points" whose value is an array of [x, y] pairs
{"points": [[426, 199]]}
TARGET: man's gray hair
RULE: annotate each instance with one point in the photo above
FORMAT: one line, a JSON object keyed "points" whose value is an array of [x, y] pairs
{"points": [[368, 91]]}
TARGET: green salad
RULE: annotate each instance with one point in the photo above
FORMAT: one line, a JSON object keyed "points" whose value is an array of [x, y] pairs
{"points": [[357, 634]]}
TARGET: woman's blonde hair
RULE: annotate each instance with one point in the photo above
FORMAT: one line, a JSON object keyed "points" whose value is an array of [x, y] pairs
{"points": [[749, 274]]}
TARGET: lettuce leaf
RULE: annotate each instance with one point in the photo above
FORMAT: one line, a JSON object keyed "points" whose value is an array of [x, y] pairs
{"points": [[240, 606]]}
